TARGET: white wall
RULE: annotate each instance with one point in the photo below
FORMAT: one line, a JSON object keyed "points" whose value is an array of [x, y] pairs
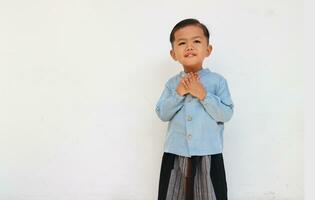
{"points": [[79, 81]]}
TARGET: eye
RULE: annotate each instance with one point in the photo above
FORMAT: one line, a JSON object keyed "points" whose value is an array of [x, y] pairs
{"points": [[197, 41], [181, 43]]}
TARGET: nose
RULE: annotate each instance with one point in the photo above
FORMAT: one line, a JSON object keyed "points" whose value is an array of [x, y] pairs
{"points": [[190, 46]]}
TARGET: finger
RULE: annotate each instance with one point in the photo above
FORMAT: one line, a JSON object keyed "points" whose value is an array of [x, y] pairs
{"points": [[194, 76], [184, 83], [197, 77], [187, 83], [188, 75], [188, 79], [191, 77]]}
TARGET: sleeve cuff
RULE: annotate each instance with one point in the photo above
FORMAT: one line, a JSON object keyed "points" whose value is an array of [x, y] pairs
{"points": [[207, 99], [177, 96]]}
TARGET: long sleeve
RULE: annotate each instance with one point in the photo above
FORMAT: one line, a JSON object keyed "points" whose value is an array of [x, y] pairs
{"points": [[219, 106], [169, 103]]}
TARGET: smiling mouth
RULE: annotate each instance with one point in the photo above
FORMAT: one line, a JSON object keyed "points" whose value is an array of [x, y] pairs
{"points": [[190, 55]]}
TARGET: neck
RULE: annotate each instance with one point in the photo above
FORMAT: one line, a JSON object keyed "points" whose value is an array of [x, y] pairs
{"points": [[192, 69]]}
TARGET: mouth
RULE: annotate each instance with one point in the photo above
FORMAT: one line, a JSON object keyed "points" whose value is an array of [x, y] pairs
{"points": [[188, 55]]}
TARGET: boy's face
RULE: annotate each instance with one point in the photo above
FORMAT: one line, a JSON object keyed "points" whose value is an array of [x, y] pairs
{"points": [[190, 47]]}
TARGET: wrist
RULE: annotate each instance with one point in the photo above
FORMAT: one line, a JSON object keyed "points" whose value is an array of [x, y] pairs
{"points": [[179, 92], [202, 96]]}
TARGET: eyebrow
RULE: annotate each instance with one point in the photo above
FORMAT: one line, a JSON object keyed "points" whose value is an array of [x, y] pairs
{"points": [[179, 39]]}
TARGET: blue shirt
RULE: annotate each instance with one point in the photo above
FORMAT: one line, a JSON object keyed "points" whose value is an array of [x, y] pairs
{"points": [[195, 127]]}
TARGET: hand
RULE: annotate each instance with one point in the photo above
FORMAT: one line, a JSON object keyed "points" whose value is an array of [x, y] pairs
{"points": [[193, 86], [181, 88]]}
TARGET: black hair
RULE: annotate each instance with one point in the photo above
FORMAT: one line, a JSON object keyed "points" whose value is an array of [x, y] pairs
{"points": [[189, 22]]}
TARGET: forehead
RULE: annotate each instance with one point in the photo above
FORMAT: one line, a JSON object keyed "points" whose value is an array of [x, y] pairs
{"points": [[189, 32]]}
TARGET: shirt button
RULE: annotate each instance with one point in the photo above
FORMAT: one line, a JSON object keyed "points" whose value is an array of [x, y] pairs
{"points": [[189, 136], [189, 118]]}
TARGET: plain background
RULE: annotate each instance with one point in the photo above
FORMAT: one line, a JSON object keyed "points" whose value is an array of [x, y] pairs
{"points": [[79, 81]]}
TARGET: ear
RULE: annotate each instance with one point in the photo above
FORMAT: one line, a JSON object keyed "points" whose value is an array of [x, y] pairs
{"points": [[209, 50], [172, 52]]}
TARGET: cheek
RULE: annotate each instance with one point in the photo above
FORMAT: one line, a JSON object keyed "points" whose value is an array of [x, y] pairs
{"points": [[205, 52], [180, 53]]}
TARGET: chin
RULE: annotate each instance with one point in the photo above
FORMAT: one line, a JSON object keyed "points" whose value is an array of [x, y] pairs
{"points": [[191, 63]]}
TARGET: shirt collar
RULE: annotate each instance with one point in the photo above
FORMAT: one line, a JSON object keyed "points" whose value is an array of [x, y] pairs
{"points": [[200, 72]]}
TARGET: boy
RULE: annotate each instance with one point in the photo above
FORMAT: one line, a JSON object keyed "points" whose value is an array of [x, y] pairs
{"points": [[196, 103]]}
